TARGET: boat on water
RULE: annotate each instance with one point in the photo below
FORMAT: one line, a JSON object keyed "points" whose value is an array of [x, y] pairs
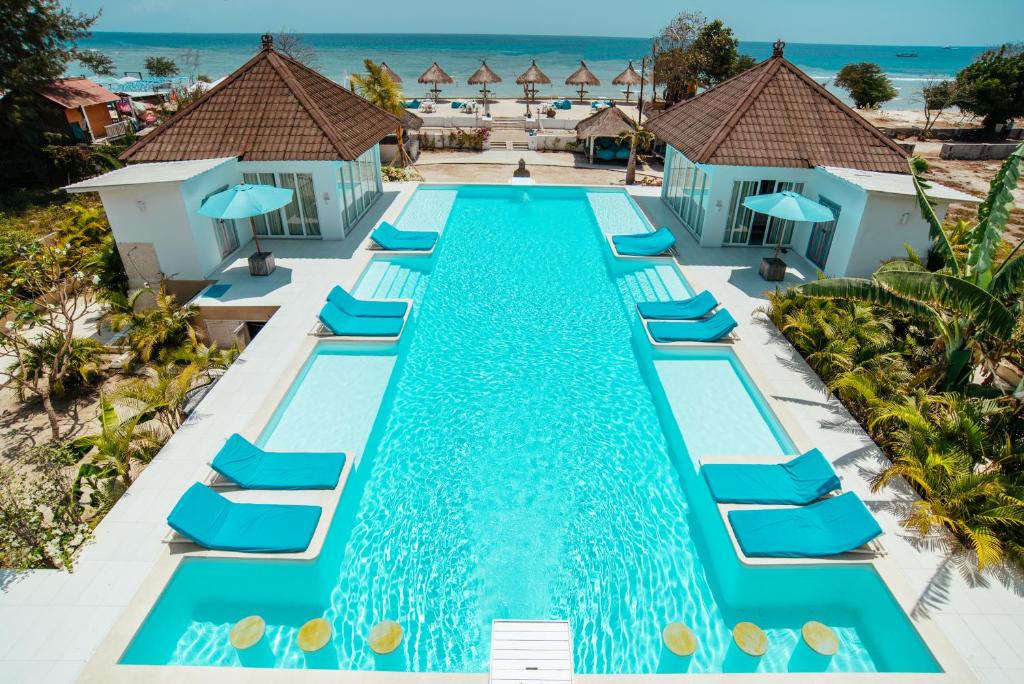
{"points": [[906, 54]]}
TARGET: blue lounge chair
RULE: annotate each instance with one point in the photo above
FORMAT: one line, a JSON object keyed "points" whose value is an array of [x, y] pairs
{"points": [[209, 519], [706, 330], [697, 306], [645, 244], [390, 238], [835, 525], [804, 479], [344, 325], [360, 308], [248, 466], [414, 104]]}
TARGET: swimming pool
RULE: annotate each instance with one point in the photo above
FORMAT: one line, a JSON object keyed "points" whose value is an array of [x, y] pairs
{"points": [[532, 458]]}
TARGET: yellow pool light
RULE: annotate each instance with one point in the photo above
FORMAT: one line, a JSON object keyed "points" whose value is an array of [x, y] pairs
{"points": [[820, 638], [679, 639], [314, 635], [247, 632], [750, 638], [385, 637]]}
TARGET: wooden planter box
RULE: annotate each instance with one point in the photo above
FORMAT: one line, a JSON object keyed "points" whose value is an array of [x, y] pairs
{"points": [[773, 269], [261, 264]]}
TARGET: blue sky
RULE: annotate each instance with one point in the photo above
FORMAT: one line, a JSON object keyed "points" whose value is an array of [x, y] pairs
{"points": [[895, 22]]}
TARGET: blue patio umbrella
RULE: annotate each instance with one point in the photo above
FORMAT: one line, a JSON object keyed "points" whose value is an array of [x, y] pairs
{"points": [[246, 201], [788, 205]]}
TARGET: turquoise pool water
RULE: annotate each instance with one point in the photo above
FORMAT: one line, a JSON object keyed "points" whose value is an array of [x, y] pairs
{"points": [[527, 461]]}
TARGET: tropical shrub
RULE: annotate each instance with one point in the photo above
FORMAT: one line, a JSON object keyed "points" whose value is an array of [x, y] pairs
{"points": [[866, 83], [993, 86], [149, 331], [472, 139]]}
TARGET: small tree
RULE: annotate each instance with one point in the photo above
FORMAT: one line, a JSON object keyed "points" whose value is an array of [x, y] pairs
{"points": [[37, 40], [48, 293], [97, 62], [378, 88], [161, 67], [190, 59], [693, 53], [296, 47], [993, 86], [640, 137], [938, 97], [867, 85]]}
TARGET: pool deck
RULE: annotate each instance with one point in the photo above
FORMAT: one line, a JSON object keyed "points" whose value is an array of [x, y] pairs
{"points": [[52, 623]]}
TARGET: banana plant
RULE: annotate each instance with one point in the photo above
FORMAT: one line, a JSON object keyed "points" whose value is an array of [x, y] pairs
{"points": [[964, 301]]}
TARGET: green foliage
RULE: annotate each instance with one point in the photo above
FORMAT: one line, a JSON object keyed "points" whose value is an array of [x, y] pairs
{"points": [[376, 87], [76, 162], [472, 139], [97, 62], [867, 85], [41, 523], [694, 53], [81, 361], [120, 449], [160, 67], [393, 173], [993, 86], [150, 330], [37, 40]]}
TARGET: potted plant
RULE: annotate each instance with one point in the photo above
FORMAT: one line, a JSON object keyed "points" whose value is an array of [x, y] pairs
{"points": [[551, 112]]}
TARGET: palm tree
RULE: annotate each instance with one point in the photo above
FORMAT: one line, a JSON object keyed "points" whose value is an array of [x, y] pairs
{"points": [[148, 331], [380, 90], [161, 393], [639, 137], [119, 448], [962, 302]]}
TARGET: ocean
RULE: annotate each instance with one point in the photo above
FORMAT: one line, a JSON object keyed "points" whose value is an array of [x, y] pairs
{"points": [[337, 55]]}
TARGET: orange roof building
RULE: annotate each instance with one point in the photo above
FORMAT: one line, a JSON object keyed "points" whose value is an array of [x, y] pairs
{"points": [[774, 128], [85, 105]]}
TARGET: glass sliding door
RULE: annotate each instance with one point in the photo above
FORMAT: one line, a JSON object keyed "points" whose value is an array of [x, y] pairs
{"points": [[686, 188], [746, 227], [267, 224], [224, 230], [359, 185]]}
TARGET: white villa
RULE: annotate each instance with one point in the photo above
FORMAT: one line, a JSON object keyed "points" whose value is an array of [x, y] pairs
{"points": [[774, 128], [273, 121]]}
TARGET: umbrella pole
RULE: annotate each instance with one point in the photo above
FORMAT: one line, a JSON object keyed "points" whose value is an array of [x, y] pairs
{"points": [[778, 246], [252, 224], [581, 93]]}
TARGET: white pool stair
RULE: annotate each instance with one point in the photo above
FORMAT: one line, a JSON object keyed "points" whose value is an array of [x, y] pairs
{"points": [[527, 651]]}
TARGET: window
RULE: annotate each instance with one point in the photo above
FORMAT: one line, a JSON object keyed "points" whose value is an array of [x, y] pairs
{"points": [[300, 216], [685, 190], [746, 227], [270, 223], [820, 242], [359, 185], [224, 230]]}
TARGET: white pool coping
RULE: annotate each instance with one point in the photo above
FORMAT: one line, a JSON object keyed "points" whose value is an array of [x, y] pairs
{"points": [[52, 623]]}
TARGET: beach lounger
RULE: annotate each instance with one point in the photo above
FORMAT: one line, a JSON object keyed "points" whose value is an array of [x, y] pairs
{"points": [[706, 330], [211, 520], [344, 325], [389, 238], [697, 306], [832, 526], [248, 466], [644, 244], [360, 308], [804, 479]]}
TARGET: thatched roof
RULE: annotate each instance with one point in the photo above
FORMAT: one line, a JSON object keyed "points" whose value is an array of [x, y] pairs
{"points": [[484, 75], [435, 74], [583, 76], [272, 108], [411, 122], [773, 114], [610, 122], [390, 73], [628, 77], [533, 75]]}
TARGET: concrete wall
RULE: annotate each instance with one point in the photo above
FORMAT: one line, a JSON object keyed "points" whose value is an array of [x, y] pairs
{"points": [[201, 229], [889, 222], [976, 150]]}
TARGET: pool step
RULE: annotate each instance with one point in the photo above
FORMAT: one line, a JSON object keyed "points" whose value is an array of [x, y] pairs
{"points": [[525, 651], [653, 284], [388, 280]]}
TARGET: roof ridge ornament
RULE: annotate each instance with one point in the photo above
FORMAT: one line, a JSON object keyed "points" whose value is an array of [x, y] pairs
{"points": [[267, 41], [777, 47]]}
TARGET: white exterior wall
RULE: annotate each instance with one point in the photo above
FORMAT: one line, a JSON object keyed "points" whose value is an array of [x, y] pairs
{"points": [[325, 185], [203, 237], [851, 200], [889, 222]]}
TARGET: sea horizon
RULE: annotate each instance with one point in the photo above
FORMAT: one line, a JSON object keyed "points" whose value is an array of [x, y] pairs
{"points": [[338, 55]]}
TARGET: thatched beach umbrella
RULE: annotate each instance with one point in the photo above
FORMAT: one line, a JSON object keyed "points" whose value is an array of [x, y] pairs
{"points": [[628, 78], [530, 78], [390, 73], [483, 76], [434, 75], [583, 77]]}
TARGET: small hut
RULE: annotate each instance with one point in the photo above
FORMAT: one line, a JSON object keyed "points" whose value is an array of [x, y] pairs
{"points": [[601, 131], [530, 78], [390, 73], [629, 78], [583, 77], [434, 75], [484, 76]]}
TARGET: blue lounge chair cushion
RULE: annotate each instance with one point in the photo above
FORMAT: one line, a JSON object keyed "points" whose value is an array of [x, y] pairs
{"points": [[391, 238], [244, 463], [360, 308], [213, 521], [645, 244], [415, 104], [697, 306], [607, 154], [834, 525], [340, 323], [804, 479], [622, 152], [707, 330]]}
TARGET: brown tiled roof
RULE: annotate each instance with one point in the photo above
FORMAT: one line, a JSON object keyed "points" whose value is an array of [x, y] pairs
{"points": [[607, 123], [775, 115], [75, 92], [271, 109]]}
